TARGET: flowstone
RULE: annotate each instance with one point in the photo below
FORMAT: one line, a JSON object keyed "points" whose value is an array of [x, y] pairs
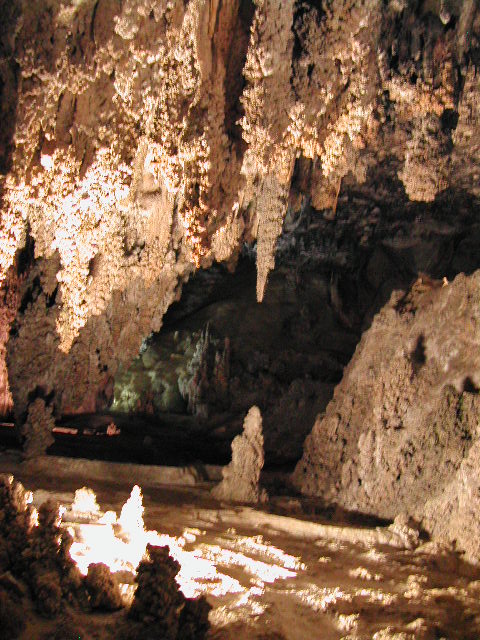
{"points": [[401, 434]]}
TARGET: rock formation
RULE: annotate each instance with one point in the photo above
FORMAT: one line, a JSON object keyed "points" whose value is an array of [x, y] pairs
{"points": [[102, 589], [401, 434], [38, 577], [160, 607], [241, 478], [36, 556], [37, 430], [143, 141], [135, 152]]}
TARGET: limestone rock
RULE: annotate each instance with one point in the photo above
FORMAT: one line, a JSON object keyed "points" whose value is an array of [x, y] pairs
{"points": [[159, 608], [104, 592], [38, 556], [12, 616], [143, 140], [37, 429], [241, 478], [401, 434]]}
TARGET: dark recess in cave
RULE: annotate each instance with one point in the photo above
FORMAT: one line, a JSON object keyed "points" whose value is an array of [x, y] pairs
{"points": [[234, 80], [288, 354]]}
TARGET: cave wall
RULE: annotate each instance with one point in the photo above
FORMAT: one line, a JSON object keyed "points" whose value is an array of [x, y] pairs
{"points": [[287, 354], [140, 153], [401, 434], [145, 139]]}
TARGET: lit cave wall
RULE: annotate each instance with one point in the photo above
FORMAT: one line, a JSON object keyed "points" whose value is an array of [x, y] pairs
{"points": [[166, 166]]}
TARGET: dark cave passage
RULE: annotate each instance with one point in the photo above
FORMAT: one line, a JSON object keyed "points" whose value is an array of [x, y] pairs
{"points": [[183, 399], [219, 352]]}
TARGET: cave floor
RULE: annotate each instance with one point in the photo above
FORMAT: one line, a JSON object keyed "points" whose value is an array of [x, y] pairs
{"points": [[275, 572]]}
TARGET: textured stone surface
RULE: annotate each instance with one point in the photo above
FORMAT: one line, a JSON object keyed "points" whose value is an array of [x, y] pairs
{"points": [[134, 151], [401, 434], [35, 551], [230, 353], [103, 591], [37, 430], [241, 478], [146, 139], [159, 605]]}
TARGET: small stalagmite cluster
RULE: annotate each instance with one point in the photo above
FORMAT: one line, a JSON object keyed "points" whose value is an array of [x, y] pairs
{"points": [[39, 580], [160, 607]]}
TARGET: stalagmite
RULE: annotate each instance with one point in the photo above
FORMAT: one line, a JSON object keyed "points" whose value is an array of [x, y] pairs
{"points": [[241, 478]]}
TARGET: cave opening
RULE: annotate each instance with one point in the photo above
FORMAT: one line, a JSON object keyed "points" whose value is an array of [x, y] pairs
{"points": [[219, 352], [178, 461]]}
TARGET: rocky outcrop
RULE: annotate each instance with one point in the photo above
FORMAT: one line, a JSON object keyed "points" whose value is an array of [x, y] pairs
{"points": [[159, 607], [9, 305], [241, 478], [35, 553], [103, 590], [145, 139], [401, 434]]}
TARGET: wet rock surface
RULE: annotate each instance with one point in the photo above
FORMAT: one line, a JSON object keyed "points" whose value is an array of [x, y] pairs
{"points": [[260, 571]]}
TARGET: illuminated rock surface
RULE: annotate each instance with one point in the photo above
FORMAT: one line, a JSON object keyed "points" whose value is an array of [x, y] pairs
{"points": [[152, 151], [134, 150], [274, 576], [401, 433], [241, 478]]}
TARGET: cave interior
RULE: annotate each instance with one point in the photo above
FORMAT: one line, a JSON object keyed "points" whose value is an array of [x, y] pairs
{"points": [[240, 266]]}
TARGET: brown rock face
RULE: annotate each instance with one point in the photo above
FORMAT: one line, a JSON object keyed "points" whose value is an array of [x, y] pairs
{"points": [[401, 434], [143, 140], [146, 138]]}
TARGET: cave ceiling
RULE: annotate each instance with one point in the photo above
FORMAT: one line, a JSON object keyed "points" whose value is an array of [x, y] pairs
{"points": [[143, 140]]}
